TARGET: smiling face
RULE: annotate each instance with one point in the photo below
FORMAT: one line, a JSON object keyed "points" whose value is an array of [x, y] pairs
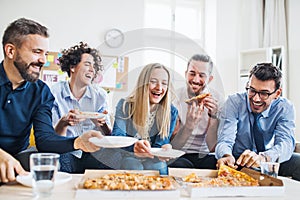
{"points": [[84, 72], [31, 56], [197, 77], [257, 104], [158, 85]]}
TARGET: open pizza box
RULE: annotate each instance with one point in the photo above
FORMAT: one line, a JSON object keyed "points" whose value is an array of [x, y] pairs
{"points": [[269, 186], [82, 193]]}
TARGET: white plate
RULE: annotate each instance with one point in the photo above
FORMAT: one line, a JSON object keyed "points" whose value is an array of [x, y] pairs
{"points": [[113, 141], [167, 153], [90, 115], [61, 177]]}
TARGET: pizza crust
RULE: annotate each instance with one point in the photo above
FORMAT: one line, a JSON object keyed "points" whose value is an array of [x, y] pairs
{"points": [[198, 98], [226, 177]]}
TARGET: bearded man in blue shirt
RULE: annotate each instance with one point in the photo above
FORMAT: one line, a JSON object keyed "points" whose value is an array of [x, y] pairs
{"points": [[237, 143], [26, 101]]}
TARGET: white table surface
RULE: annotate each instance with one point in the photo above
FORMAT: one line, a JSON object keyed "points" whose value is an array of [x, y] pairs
{"points": [[68, 191]]}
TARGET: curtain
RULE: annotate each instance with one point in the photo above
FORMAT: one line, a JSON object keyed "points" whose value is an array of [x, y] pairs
{"points": [[275, 32], [251, 24]]}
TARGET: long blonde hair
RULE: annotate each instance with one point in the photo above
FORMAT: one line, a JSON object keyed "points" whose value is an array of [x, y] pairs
{"points": [[139, 103]]}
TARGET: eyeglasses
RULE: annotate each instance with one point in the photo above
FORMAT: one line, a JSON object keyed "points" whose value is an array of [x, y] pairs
{"points": [[263, 95]]}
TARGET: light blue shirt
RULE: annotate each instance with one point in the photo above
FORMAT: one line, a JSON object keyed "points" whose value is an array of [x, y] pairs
{"points": [[93, 100], [235, 128]]}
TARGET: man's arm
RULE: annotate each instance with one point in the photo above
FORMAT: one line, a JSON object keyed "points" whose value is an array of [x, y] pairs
{"points": [[193, 117], [227, 129], [211, 137], [46, 138], [284, 140], [213, 107]]}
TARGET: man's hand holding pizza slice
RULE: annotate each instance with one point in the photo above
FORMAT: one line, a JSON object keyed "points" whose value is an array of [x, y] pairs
{"points": [[205, 100]]}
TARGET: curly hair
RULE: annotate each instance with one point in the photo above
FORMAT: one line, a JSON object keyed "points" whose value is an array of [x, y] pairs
{"points": [[72, 56]]}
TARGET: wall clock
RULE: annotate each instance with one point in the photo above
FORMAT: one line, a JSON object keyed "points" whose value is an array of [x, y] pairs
{"points": [[114, 38]]}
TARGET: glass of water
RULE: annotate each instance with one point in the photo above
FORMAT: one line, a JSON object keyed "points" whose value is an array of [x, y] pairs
{"points": [[43, 167], [268, 166]]}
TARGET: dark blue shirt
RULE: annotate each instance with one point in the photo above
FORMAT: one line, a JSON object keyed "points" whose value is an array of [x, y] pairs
{"points": [[29, 104]]}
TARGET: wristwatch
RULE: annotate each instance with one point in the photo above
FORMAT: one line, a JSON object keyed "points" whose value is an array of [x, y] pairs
{"points": [[215, 116]]}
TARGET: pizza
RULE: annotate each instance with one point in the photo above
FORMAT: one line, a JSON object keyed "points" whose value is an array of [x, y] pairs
{"points": [[193, 178], [198, 98], [128, 181], [226, 177], [91, 115]]}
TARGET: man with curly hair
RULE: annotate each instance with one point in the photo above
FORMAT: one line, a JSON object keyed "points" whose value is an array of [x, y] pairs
{"points": [[26, 101], [81, 63]]}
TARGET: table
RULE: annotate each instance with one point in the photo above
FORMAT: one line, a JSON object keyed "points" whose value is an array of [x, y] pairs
{"points": [[67, 191]]}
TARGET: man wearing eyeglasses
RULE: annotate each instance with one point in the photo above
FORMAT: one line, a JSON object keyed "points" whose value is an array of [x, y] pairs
{"points": [[259, 120]]}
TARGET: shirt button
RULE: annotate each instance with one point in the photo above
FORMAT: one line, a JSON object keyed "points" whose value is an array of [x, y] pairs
{"points": [[8, 101]]}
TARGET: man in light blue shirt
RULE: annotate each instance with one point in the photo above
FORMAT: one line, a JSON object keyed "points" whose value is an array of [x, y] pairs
{"points": [[237, 145], [82, 63]]}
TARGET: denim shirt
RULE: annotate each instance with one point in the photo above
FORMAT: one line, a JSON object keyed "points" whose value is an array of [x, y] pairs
{"points": [[123, 126], [235, 128]]}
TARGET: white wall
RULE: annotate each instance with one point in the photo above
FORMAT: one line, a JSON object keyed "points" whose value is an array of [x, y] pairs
{"points": [[293, 16], [72, 21], [227, 43]]}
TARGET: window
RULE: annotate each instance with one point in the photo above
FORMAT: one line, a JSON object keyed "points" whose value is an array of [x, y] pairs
{"points": [[185, 17]]}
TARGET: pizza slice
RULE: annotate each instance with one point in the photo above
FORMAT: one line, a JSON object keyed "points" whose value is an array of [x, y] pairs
{"points": [[226, 177], [198, 98], [239, 178]]}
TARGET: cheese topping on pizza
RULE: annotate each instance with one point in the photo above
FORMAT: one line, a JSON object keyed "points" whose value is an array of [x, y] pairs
{"points": [[226, 177], [129, 181]]}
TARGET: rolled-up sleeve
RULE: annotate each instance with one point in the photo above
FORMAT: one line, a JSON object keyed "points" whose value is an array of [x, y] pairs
{"points": [[227, 129]]}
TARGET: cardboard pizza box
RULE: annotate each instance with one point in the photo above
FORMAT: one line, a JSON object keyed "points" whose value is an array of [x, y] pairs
{"points": [[82, 193], [269, 186]]}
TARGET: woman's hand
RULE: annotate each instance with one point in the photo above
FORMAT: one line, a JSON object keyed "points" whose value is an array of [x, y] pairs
{"points": [[142, 149], [165, 147]]}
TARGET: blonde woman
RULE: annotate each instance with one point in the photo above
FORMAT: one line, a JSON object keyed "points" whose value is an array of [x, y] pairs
{"points": [[148, 115]]}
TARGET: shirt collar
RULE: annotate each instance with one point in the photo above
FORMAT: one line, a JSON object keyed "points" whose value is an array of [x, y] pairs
{"points": [[264, 113], [67, 92], [4, 79]]}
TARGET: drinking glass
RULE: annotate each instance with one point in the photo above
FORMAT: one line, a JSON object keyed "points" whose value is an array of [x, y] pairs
{"points": [[267, 166], [43, 167]]}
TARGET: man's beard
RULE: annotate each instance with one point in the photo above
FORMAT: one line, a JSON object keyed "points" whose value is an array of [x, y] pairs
{"points": [[192, 93], [23, 69]]}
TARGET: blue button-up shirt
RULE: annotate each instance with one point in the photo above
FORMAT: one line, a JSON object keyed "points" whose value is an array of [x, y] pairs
{"points": [[30, 104], [236, 122], [93, 100]]}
